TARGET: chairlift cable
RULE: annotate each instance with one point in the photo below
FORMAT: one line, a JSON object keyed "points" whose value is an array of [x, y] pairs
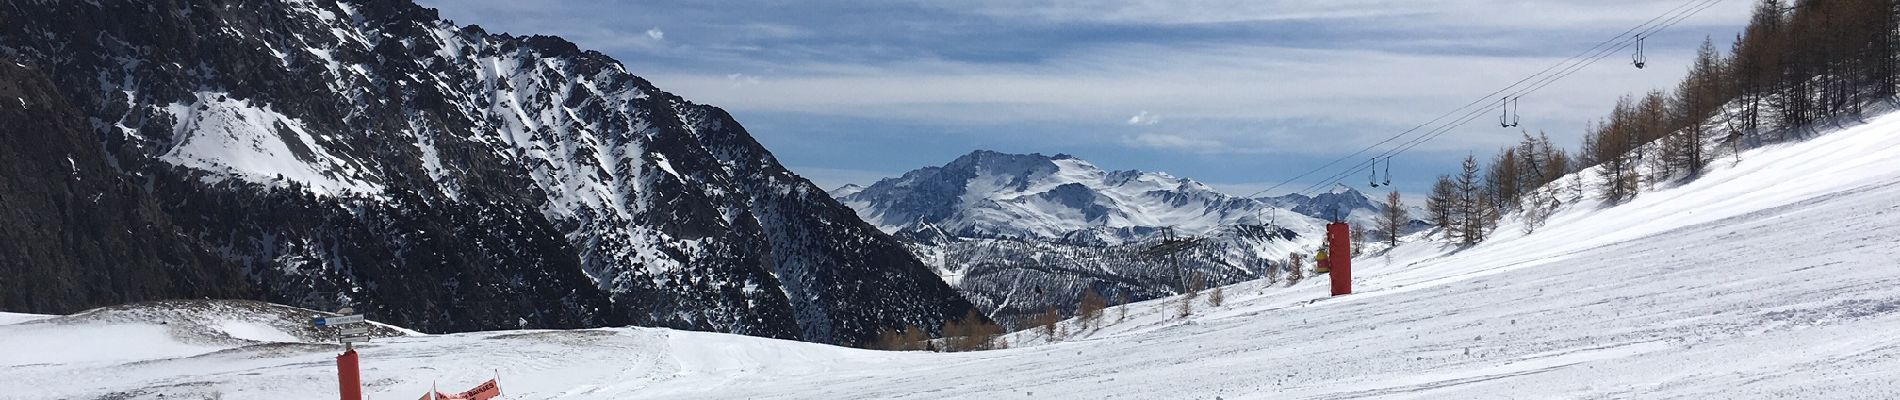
{"points": [[1574, 63], [1546, 82], [1553, 79]]}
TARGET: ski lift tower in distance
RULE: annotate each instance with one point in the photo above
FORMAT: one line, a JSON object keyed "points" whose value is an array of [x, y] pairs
{"points": [[1339, 243], [1170, 249]]}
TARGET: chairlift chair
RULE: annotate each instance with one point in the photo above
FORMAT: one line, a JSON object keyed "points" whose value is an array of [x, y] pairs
{"points": [[1388, 171], [1638, 59], [1506, 118], [1373, 178]]}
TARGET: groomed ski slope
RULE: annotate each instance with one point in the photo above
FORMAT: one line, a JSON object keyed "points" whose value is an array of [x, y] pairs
{"points": [[1772, 277]]}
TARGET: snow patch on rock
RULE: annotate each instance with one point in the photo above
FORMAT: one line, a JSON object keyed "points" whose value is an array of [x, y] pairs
{"points": [[236, 139]]}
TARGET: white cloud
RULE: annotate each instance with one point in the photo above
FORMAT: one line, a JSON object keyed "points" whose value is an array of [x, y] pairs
{"points": [[1143, 118], [1165, 141], [656, 34], [738, 79]]}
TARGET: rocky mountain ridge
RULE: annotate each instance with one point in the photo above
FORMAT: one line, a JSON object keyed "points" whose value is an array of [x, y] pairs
{"points": [[322, 153]]}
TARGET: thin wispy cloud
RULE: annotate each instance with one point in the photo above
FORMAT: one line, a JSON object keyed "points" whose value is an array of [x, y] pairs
{"points": [[1144, 118], [1249, 91], [1444, 13], [737, 80], [1190, 11], [656, 34], [1175, 142]]}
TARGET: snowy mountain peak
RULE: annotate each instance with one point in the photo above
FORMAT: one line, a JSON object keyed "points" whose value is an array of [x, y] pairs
{"points": [[1339, 202], [1005, 165], [993, 194], [846, 190]]}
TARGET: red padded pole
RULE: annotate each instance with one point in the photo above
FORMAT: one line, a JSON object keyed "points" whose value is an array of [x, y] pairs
{"points": [[349, 381], [1339, 255]]}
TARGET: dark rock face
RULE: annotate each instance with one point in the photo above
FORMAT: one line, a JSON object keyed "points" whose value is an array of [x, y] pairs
{"points": [[326, 152]]}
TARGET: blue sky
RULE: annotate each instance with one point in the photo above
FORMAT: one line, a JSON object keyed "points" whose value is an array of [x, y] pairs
{"points": [[1241, 94]]}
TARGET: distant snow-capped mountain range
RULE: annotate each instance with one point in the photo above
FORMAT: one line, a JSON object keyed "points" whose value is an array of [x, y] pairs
{"points": [[1064, 198], [1342, 202], [1019, 233]]}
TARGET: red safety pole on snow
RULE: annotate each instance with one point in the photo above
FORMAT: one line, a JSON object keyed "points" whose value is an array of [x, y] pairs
{"points": [[1339, 256], [349, 381]]}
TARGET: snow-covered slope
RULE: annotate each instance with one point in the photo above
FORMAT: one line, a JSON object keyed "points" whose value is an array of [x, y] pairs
{"points": [[1771, 277]]}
